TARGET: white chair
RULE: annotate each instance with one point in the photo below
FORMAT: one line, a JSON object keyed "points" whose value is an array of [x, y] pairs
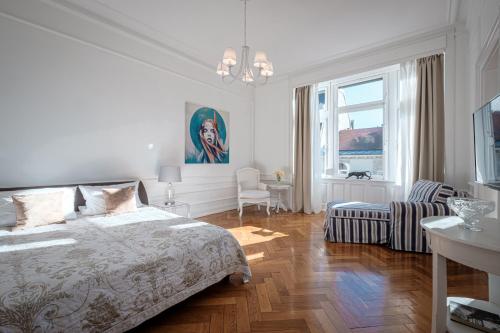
{"points": [[251, 190]]}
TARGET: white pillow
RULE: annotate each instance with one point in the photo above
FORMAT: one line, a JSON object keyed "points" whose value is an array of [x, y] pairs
{"points": [[8, 210], [94, 199]]}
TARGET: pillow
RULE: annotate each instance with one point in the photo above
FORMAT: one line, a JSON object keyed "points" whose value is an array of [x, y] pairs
{"points": [[119, 200], [8, 209], [424, 191], [94, 200], [445, 192], [33, 210]]}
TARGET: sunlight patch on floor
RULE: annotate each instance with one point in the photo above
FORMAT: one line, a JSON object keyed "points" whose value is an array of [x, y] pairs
{"points": [[249, 235], [254, 256]]}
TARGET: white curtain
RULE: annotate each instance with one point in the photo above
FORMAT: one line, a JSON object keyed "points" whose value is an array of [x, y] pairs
{"points": [[406, 123], [317, 187]]}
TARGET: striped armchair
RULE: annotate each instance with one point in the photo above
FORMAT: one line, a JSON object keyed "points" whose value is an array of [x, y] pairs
{"points": [[426, 199], [396, 224]]}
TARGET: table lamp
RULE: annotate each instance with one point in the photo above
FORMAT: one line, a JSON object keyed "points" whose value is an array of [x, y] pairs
{"points": [[170, 174]]}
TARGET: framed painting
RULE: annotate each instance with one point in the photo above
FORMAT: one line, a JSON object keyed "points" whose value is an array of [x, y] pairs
{"points": [[207, 135]]}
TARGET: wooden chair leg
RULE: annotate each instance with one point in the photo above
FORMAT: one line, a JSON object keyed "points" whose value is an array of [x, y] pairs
{"points": [[268, 204]]}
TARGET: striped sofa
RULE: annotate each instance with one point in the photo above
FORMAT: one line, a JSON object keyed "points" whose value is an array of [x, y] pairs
{"points": [[396, 224]]}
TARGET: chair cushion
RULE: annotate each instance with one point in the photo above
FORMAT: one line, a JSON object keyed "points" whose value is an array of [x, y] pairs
{"points": [[424, 191], [255, 194], [359, 210]]}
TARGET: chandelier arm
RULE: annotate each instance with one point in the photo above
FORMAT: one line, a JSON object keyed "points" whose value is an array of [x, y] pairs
{"points": [[257, 76], [261, 83], [231, 80], [233, 75]]}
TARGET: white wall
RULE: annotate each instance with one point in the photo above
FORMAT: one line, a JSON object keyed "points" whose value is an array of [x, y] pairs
{"points": [[477, 20], [273, 106], [273, 147], [477, 34], [82, 101]]}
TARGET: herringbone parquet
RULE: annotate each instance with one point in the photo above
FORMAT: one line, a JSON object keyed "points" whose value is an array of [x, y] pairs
{"points": [[303, 284]]}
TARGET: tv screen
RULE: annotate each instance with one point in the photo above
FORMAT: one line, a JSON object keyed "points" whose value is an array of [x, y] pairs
{"points": [[487, 143]]}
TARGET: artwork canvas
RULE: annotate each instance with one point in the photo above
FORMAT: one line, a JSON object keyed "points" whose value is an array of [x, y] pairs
{"points": [[207, 135]]}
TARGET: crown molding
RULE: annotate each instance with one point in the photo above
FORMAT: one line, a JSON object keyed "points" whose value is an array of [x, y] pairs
{"points": [[103, 15], [100, 13], [13, 11], [370, 50], [130, 27]]}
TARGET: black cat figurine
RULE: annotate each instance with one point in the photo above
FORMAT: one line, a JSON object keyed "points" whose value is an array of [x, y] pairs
{"points": [[359, 174]]}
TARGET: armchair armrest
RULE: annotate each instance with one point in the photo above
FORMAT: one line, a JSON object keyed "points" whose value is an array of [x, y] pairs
{"points": [[262, 186], [417, 210], [406, 232]]}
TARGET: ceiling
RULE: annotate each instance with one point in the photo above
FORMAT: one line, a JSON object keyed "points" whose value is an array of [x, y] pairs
{"points": [[294, 33]]}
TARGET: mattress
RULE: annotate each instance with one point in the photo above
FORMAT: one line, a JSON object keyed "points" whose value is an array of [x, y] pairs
{"points": [[109, 273]]}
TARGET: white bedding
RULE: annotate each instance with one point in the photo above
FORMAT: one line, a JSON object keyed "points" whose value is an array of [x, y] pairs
{"points": [[109, 273]]}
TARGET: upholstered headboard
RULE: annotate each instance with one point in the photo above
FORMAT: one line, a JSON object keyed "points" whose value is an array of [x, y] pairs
{"points": [[79, 201]]}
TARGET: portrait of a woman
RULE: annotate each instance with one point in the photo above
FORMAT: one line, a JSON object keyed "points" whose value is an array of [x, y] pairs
{"points": [[207, 136]]}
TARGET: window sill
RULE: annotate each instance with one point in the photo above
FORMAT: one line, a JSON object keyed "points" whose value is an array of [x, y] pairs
{"points": [[333, 179]]}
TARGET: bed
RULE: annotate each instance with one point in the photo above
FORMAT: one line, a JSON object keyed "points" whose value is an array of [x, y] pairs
{"points": [[109, 273]]}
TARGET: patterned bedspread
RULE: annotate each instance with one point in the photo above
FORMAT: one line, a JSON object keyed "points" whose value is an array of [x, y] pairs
{"points": [[109, 273]]}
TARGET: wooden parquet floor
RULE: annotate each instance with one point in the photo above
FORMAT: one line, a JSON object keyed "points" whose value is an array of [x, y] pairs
{"points": [[303, 284]]}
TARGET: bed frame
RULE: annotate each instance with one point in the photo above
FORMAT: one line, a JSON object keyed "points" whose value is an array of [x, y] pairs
{"points": [[79, 200]]}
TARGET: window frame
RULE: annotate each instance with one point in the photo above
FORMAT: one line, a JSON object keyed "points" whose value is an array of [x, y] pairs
{"points": [[389, 104]]}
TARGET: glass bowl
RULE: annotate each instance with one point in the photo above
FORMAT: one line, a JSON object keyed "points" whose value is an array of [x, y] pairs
{"points": [[471, 210]]}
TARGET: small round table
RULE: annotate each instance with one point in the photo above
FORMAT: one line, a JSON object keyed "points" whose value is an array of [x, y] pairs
{"points": [[448, 239], [279, 187]]}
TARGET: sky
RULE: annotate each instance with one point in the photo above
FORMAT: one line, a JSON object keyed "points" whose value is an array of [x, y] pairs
{"points": [[363, 93]]}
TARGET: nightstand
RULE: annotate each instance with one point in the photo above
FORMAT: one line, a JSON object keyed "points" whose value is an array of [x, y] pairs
{"points": [[279, 187], [177, 208]]}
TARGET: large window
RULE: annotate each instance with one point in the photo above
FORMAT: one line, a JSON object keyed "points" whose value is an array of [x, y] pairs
{"points": [[355, 115]]}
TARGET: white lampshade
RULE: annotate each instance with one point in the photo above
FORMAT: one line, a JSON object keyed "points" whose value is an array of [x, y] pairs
{"points": [[222, 69], [260, 59], [170, 174], [229, 58], [247, 76], [267, 70]]}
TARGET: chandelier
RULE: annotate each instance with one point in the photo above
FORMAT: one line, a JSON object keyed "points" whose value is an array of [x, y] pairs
{"points": [[226, 68]]}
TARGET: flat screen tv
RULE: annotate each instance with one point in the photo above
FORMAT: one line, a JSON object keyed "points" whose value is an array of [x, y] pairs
{"points": [[487, 143]]}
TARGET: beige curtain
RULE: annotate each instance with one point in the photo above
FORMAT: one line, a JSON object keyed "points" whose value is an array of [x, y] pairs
{"points": [[428, 162], [302, 150]]}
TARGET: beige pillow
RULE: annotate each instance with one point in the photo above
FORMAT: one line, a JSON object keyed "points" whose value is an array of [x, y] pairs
{"points": [[119, 200], [34, 210]]}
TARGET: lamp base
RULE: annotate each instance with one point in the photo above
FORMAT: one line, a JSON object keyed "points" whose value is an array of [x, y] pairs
{"points": [[170, 195]]}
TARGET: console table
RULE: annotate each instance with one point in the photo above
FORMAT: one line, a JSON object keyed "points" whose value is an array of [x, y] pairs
{"points": [[479, 250]]}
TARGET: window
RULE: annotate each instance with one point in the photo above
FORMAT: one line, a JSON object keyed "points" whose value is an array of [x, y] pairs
{"points": [[355, 116]]}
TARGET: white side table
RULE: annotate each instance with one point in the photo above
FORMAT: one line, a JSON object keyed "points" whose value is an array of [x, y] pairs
{"points": [[480, 250], [279, 187], [174, 208]]}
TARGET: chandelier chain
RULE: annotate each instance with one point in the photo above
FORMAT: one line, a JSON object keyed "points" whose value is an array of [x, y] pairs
{"points": [[245, 23]]}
